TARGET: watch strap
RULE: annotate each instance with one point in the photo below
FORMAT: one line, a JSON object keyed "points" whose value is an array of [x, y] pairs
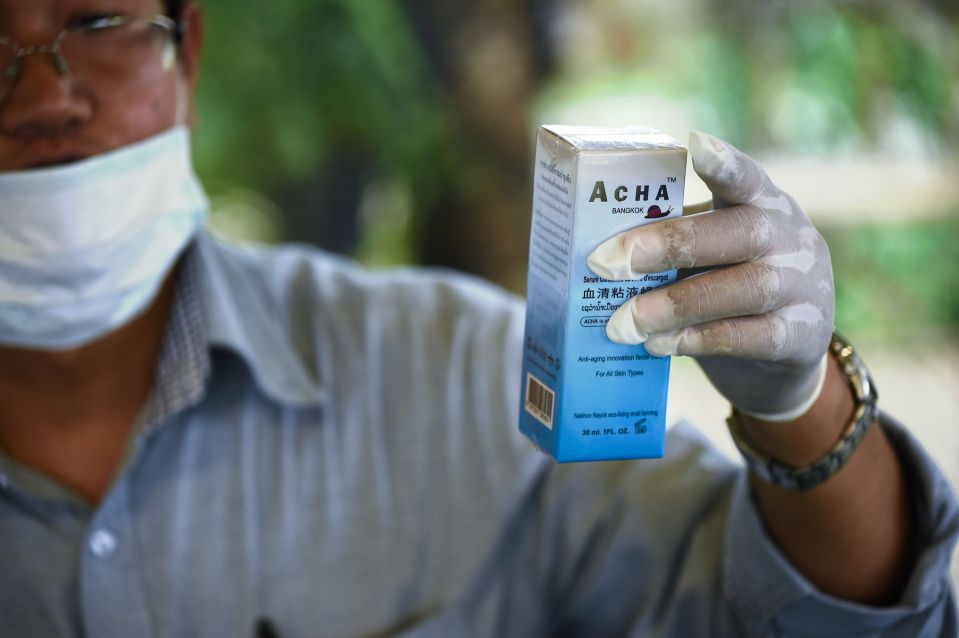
{"points": [[806, 478]]}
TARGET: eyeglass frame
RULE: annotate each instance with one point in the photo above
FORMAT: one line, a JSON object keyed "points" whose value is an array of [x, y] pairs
{"points": [[12, 73]]}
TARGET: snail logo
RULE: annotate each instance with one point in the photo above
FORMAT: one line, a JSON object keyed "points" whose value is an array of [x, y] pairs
{"points": [[655, 212]]}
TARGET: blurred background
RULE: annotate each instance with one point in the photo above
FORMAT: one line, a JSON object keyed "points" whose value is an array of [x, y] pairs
{"points": [[400, 132]]}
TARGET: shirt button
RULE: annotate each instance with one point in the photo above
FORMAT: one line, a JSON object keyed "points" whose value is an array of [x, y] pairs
{"points": [[102, 543]]}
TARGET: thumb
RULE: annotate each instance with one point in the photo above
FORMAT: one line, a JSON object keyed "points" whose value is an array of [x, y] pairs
{"points": [[731, 176]]}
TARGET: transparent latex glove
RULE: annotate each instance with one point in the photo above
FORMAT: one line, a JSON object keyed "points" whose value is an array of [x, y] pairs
{"points": [[760, 321]]}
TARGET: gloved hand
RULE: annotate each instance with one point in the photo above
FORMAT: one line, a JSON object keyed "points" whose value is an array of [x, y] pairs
{"points": [[759, 324]]}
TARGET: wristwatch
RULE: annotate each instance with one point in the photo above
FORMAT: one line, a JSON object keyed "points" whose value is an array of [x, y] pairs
{"points": [[805, 478]]}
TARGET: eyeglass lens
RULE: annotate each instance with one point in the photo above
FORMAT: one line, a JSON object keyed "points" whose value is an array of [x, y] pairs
{"points": [[99, 58]]}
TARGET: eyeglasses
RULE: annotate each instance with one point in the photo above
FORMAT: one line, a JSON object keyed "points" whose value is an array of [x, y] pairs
{"points": [[101, 50]]}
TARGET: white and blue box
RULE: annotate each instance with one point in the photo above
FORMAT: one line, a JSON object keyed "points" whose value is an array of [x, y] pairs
{"points": [[585, 398]]}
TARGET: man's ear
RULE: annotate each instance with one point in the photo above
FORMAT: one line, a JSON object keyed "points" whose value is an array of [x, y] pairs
{"points": [[191, 46]]}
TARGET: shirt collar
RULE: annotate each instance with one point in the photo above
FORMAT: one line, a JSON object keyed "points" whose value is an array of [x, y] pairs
{"points": [[239, 316], [183, 367]]}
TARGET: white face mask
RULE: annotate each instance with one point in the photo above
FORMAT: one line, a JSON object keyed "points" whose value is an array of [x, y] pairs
{"points": [[84, 248]]}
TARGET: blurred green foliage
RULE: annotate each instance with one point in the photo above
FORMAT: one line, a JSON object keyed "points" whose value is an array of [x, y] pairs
{"points": [[817, 77], [725, 83], [288, 85], [284, 81], [896, 278]]}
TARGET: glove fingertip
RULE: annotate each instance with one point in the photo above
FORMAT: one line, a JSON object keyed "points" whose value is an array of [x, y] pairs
{"points": [[663, 344], [709, 154], [622, 328], [731, 176], [610, 260]]}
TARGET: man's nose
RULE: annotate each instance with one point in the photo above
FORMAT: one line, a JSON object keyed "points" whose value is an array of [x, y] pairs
{"points": [[42, 102]]}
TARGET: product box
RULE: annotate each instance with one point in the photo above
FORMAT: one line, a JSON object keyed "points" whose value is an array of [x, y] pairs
{"points": [[585, 398]]}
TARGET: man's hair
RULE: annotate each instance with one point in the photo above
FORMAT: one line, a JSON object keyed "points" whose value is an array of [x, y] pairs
{"points": [[174, 9]]}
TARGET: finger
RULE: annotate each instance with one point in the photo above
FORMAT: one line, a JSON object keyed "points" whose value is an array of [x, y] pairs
{"points": [[792, 334], [752, 288], [728, 236], [731, 176]]}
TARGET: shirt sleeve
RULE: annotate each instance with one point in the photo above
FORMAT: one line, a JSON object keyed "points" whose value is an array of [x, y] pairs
{"points": [[675, 547], [769, 597], [670, 547]]}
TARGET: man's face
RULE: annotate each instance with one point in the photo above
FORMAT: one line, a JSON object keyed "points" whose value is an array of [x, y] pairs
{"points": [[47, 119]]}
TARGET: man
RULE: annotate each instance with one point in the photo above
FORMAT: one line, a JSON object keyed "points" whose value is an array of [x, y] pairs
{"points": [[211, 440]]}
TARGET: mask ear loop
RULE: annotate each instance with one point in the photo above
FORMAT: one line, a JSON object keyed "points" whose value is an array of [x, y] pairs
{"points": [[171, 64], [182, 102], [169, 61]]}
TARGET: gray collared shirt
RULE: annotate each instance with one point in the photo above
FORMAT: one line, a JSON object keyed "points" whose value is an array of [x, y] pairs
{"points": [[335, 452]]}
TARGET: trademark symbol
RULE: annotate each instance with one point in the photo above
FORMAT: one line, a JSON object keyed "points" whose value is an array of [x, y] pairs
{"points": [[670, 180]]}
